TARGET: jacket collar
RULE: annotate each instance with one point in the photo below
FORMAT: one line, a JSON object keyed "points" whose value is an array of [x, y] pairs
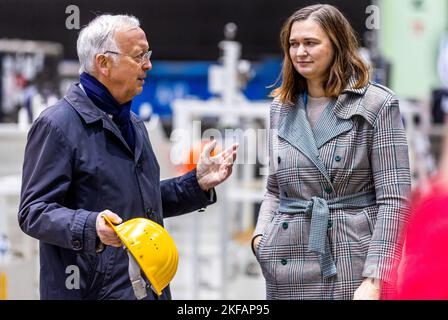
{"points": [[351, 103], [83, 105], [90, 113], [350, 87]]}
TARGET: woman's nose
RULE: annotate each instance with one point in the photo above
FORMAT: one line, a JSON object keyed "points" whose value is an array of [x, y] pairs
{"points": [[301, 52]]}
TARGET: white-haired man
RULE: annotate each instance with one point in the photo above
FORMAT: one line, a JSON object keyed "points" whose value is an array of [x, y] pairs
{"points": [[89, 155]]}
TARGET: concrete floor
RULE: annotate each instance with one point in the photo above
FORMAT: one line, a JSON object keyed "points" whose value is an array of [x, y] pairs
{"points": [[203, 277]]}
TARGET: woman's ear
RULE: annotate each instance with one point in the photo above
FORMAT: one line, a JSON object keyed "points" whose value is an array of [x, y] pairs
{"points": [[102, 64]]}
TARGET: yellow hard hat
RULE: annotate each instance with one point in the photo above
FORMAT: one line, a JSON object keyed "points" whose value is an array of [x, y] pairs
{"points": [[153, 249]]}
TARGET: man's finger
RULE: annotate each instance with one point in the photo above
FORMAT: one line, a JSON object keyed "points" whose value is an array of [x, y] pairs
{"points": [[228, 160], [233, 150], [234, 156], [230, 157], [220, 158], [115, 241], [113, 217], [109, 237], [101, 222], [208, 149], [115, 244]]}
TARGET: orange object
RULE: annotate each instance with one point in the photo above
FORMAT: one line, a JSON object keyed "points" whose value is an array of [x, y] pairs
{"points": [[193, 157], [3, 286]]}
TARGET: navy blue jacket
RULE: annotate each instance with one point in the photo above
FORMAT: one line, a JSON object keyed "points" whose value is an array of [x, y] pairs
{"points": [[76, 165]]}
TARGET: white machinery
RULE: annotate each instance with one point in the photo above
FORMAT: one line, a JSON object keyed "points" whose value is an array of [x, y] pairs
{"points": [[19, 261], [27, 70], [242, 121]]}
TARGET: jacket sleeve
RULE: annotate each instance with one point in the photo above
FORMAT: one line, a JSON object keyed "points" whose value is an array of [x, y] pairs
{"points": [[47, 173], [271, 198], [391, 175], [183, 194]]}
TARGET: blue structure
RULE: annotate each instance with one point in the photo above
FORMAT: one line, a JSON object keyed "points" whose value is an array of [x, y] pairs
{"points": [[174, 80]]}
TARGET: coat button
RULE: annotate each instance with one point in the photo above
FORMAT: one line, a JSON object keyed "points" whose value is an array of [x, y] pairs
{"points": [[330, 224], [285, 225], [309, 209], [338, 158], [328, 190], [76, 244], [140, 164], [284, 262], [279, 160], [149, 212]]}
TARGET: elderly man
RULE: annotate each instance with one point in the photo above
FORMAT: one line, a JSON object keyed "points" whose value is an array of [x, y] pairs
{"points": [[89, 156]]}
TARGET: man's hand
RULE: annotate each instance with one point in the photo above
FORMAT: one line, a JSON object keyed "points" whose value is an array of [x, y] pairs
{"points": [[212, 170], [370, 289], [106, 234]]}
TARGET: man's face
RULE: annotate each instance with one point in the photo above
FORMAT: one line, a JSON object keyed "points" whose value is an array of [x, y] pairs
{"points": [[127, 76]]}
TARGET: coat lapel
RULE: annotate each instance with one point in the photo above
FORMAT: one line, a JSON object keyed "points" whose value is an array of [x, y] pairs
{"points": [[337, 118], [351, 103], [90, 113], [295, 128], [334, 121], [138, 137], [109, 125], [330, 126]]}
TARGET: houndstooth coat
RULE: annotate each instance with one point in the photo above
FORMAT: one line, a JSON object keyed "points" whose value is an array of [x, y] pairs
{"points": [[336, 199]]}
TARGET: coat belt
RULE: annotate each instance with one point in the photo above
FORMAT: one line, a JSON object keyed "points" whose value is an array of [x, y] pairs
{"points": [[319, 209]]}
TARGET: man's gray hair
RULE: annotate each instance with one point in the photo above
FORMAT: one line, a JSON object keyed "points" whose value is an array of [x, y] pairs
{"points": [[98, 37]]}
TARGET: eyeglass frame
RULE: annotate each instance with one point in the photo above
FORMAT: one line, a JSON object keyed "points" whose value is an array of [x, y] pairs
{"points": [[143, 58]]}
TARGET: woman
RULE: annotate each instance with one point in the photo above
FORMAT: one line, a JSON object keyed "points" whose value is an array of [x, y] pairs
{"points": [[330, 223]]}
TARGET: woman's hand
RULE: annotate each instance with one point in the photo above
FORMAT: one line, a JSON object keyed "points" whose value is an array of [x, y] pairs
{"points": [[370, 289], [255, 243]]}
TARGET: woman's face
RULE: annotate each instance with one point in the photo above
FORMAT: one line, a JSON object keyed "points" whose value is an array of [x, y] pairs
{"points": [[310, 49]]}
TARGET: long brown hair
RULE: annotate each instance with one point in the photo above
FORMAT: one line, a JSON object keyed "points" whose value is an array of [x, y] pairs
{"points": [[346, 62]]}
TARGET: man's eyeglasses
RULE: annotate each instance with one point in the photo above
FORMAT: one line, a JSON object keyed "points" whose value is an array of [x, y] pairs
{"points": [[141, 58]]}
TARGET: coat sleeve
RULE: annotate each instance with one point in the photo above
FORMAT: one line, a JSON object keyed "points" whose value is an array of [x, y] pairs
{"points": [[391, 176], [183, 194], [47, 174], [271, 198]]}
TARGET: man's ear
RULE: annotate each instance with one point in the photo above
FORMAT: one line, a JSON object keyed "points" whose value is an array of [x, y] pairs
{"points": [[103, 64]]}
